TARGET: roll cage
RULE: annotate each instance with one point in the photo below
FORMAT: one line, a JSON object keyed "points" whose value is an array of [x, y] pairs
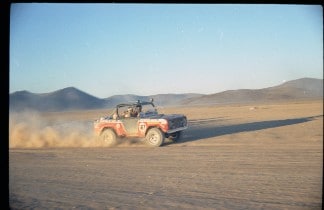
{"points": [[134, 106]]}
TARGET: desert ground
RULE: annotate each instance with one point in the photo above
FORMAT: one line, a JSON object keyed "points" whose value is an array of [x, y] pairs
{"points": [[252, 156]]}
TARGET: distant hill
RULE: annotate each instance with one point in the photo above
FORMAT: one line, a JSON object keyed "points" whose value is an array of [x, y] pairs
{"points": [[61, 100], [71, 98], [159, 99], [300, 89]]}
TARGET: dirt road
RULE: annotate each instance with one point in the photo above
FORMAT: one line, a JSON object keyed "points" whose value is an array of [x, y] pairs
{"points": [[231, 157]]}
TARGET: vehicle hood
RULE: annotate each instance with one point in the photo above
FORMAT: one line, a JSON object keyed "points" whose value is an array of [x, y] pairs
{"points": [[172, 116], [165, 116]]}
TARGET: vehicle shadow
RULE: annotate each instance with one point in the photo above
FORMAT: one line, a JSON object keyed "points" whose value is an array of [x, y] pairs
{"points": [[207, 128]]}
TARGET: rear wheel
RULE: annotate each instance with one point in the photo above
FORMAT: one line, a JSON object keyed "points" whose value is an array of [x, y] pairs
{"points": [[108, 137], [154, 137]]}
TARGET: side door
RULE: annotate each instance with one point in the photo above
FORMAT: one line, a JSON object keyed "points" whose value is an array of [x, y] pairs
{"points": [[131, 125]]}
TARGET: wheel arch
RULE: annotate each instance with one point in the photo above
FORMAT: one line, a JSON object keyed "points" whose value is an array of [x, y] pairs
{"points": [[153, 126], [108, 128]]}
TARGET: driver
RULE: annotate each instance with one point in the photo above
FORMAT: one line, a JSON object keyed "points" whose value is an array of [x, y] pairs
{"points": [[128, 112]]}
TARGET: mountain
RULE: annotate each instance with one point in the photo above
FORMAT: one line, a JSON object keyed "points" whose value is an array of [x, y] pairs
{"points": [[173, 99], [300, 89], [159, 99], [61, 100], [128, 98], [71, 98]]}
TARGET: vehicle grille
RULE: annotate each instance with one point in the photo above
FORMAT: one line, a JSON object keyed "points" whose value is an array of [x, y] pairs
{"points": [[177, 123]]}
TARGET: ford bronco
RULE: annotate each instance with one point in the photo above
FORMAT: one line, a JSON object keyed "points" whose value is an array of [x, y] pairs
{"points": [[140, 120]]}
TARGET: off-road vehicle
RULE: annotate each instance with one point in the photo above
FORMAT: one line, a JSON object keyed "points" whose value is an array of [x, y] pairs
{"points": [[141, 120]]}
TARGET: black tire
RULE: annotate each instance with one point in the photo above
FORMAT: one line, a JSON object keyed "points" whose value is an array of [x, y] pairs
{"points": [[108, 137], [175, 136], [154, 137]]}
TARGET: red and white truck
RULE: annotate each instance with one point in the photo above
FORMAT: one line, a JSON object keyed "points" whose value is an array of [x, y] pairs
{"points": [[139, 120]]}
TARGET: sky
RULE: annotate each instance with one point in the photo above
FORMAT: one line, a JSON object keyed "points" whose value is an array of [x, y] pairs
{"points": [[145, 49]]}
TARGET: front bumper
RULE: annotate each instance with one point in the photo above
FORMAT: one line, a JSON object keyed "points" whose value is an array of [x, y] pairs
{"points": [[177, 129]]}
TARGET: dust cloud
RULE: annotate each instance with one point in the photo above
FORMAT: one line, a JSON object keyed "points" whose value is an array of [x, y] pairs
{"points": [[32, 130]]}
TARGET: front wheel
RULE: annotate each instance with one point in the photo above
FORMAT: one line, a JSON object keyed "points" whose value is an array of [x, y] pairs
{"points": [[154, 137], [108, 137]]}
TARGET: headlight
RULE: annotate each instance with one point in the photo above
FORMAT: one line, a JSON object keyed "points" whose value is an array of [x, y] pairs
{"points": [[184, 122]]}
